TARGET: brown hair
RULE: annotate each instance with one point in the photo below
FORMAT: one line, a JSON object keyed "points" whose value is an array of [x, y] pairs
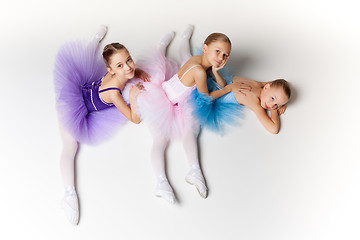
{"points": [[282, 83], [109, 50], [217, 37]]}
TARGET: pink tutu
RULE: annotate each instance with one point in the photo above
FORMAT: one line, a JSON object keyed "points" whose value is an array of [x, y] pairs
{"points": [[170, 119]]}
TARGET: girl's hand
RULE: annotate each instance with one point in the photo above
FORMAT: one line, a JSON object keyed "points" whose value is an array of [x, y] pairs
{"points": [[281, 110], [135, 90], [240, 87], [142, 75], [215, 69]]}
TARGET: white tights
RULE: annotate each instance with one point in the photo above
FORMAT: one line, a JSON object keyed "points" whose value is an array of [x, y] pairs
{"points": [[160, 144], [67, 160], [184, 49], [70, 202], [194, 177]]}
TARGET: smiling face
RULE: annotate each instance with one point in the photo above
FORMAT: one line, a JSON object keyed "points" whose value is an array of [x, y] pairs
{"points": [[121, 65], [273, 97], [217, 53]]}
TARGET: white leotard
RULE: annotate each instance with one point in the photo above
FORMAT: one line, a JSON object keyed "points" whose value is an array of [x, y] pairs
{"points": [[175, 89]]}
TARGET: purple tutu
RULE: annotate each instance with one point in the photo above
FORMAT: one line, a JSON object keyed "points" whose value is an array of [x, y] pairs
{"points": [[78, 64]]}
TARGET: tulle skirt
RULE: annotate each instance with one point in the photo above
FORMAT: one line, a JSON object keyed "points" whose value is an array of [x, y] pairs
{"points": [[219, 114], [168, 119], [76, 64]]}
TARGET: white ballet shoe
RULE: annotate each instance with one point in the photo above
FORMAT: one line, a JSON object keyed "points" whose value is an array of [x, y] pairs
{"points": [[167, 38], [164, 190], [70, 204], [195, 177], [188, 32], [101, 33]]}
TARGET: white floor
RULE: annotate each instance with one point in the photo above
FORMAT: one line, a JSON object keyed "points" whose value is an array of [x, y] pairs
{"points": [[303, 183]]}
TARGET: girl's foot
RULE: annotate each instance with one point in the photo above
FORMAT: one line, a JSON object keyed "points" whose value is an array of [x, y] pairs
{"points": [[70, 204], [164, 190], [195, 177], [188, 32], [101, 33], [166, 39]]}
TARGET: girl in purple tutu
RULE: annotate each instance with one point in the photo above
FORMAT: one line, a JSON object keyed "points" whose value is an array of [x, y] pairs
{"points": [[89, 101], [165, 106]]}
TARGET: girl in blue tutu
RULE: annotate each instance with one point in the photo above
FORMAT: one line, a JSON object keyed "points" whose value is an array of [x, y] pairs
{"points": [[89, 101], [261, 97]]}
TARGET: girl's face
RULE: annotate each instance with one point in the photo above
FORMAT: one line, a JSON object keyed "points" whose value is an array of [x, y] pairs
{"points": [[272, 97], [217, 53], [122, 65]]}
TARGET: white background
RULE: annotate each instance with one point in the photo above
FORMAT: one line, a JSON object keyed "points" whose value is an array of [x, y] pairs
{"points": [[300, 184]]}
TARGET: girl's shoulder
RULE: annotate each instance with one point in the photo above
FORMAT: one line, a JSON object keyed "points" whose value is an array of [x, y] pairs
{"points": [[196, 70], [109, 82], [249, 100], [194, 60], [192, 66]]}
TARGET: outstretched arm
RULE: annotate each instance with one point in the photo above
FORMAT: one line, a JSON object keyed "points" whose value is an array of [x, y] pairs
{"points": [[201, 85]]}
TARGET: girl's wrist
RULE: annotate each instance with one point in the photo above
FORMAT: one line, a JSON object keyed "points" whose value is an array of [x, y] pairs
{"points": [[228, 88]]}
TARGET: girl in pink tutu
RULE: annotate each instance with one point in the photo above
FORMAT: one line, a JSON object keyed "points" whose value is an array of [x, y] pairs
{"points": [[89, 101], [165, 106]]}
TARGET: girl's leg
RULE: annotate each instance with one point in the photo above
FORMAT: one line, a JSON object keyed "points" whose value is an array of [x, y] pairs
{"points": [[185, 52], [165, 41], [70, 201], [194, 176], [163, 188]]}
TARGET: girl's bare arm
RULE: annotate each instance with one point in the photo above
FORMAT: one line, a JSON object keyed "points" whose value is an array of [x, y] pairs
{"points": [[272, 123], [120, 104]]}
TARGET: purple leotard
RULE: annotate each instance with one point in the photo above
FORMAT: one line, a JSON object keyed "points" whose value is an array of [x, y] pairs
{"points": [[91, 95]]}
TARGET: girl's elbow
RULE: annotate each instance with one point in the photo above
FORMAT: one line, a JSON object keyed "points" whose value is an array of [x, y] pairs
{"points": [[135, 118], [273, 130], [136, 121]]}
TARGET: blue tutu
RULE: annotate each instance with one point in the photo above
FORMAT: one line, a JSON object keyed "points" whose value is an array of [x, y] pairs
{"points": [[216, 115]]}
